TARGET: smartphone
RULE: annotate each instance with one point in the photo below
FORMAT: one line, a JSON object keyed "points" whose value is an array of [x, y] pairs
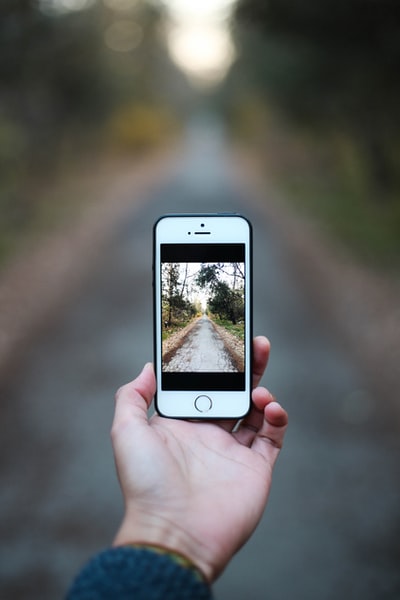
{"points": [[203, 315]]}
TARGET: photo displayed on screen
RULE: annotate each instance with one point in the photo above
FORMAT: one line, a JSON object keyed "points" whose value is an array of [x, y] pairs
{"points": [[203, 317]]}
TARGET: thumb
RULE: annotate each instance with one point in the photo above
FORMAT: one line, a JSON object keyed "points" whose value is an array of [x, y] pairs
{"points": [[133, 399]]}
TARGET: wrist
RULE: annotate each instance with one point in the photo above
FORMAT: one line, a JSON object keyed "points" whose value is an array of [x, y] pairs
{"points": [[159, 533], [176, 557]]}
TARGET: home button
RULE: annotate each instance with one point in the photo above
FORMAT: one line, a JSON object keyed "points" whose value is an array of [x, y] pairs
{"points": [[203, 404]]}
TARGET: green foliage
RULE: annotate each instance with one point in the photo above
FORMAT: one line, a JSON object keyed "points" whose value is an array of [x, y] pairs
{"points": [[208, 276], [236, 330], [227, 303], [72, 85], [173, 328], [338, 199], [177, 310], [329, 72], [332, 63], [226, 300]]}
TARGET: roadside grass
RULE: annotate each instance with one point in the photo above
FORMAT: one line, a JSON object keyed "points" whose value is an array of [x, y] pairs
{"points": [[49, 191], [235, 329], [368, 227], [326, 174], [33, 205], [328, 179], [174, 328]]}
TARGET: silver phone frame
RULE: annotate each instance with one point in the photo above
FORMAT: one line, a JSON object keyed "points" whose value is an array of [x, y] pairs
{"points": [[224, 228]]}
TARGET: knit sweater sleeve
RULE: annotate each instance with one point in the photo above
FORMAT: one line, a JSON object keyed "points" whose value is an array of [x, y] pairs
{"points": [[129, 573]]}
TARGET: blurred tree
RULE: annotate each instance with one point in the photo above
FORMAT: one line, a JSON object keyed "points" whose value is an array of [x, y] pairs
{"points": [[68, 70], [49, 70], [227, 303], [334, 65], [226, 299]]}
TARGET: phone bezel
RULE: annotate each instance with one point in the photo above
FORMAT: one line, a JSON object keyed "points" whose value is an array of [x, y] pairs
{"points": [[225, 404]]}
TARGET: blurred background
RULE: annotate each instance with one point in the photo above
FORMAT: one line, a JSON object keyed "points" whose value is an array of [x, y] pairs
{"points": [[113, 112]]}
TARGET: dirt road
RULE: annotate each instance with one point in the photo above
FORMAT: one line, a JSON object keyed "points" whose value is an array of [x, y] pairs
{"points": [[332, 524], [202, 350]]}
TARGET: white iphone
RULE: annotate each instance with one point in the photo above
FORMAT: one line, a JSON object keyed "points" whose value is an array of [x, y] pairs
{"points": [[203, 315]]}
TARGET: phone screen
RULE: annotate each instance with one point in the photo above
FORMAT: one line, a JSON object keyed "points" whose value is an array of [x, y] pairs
{"points": [[203, 285]]}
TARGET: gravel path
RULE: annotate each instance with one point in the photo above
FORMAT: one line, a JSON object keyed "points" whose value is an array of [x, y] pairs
{"points": [[203, 350]]}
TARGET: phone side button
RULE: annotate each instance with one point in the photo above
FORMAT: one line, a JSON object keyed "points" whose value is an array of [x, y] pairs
{"points": [[203, 404]]}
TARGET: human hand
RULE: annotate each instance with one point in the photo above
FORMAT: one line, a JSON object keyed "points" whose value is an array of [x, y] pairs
{"points": [[197, 488]]}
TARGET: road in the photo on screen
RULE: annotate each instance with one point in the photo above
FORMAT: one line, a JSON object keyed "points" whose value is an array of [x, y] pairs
{"points": [[203, 350]]}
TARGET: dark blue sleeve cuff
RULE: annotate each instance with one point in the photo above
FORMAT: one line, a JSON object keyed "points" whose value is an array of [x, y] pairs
{"points": [[128, 573]]}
